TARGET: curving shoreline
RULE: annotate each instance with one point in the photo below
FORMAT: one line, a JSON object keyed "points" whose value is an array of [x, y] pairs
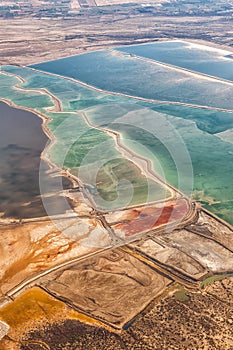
{"points": [[193, 73], [165, 102], [56, 102], [45, 119], [144, 164], [148, 171], [22, 141], [52, 139]]}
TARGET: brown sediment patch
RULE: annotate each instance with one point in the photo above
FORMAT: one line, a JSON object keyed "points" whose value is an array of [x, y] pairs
{"points": [[156, 249], [112, 287], [212, 226], [35, 309], [29, 249], [197, 320], [213, 256], [32, 305]]}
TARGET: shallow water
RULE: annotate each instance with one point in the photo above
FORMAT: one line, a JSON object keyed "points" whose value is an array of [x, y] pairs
{"points": [[198, 58], [125, 74], [203, 132], [21, 143]]}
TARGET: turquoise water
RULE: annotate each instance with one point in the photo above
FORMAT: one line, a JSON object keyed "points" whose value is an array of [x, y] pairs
{"points": [[182, 54], [23, 98], [181, 141], [121, 73], [89, 153], [211, 158]]}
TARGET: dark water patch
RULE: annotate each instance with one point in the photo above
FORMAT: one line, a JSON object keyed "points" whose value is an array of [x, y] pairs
{"points": [[21, 143]]}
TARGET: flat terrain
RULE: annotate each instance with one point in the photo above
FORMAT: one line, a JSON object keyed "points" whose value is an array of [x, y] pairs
{"points": [[129, 296], [121, 286], [116, 2], [31, 248], [26, 42], [181, 320]]}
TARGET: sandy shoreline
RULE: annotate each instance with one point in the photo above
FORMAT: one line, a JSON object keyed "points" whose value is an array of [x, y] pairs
{"points": [[56, 102], [74, 181], [124, 150], [200, 44], [193, 73], [58, 108], [210, 45], [52, 139], [94, 88], [44, 117]]}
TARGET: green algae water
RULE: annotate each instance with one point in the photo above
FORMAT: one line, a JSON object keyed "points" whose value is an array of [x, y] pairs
{"points": [[211, 157], [204, 124]]}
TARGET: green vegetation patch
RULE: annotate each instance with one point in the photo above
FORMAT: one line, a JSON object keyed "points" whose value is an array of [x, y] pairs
{"points": [[210, 280], [181, 294]]}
